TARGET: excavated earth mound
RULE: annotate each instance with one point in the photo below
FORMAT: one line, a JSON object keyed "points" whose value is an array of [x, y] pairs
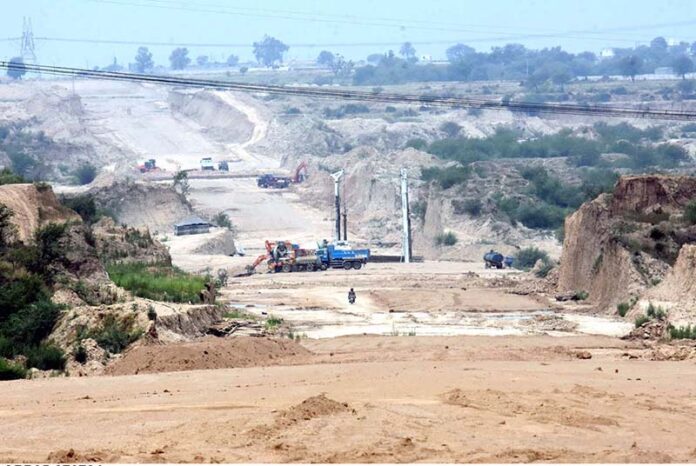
{"points": [[621, 244], [33, 208], [210, 353]]}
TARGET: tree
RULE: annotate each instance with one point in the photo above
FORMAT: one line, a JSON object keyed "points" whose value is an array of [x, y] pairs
{"points": [[85, 174], [326, 58], [341, 67], [459, 52], [17, 68], [408, 52], [682, 65], [233, 60], [631, 66], [181, 183], [243, 69], [143, 60], [179, 58], [659, 44], [375, 58], [202, 60], [269, 51]]}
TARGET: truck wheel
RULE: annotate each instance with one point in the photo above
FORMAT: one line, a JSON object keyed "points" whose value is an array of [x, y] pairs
{"points": [[357, 265], [286, 268], [347, 265], [310, 267], [323, 267]]}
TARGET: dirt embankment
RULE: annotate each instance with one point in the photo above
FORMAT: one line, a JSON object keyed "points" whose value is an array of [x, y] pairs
{"points": [[221, 121], [617, 246], [210, 353], [127, 244], [155, 206], [33, 208]]}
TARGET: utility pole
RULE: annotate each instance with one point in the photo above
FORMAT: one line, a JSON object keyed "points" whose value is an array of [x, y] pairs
{"points": [[406, 218], [337, 200]]}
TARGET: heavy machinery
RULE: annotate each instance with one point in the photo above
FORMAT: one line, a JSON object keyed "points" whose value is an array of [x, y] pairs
{"points": [[207, 164], [285, 256], [272, 181], [300, 173], [340, 254], [223, 166], [493, 259], [148, 166]]}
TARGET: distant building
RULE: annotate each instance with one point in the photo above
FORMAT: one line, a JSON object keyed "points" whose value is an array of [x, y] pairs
{"points": [[191, 226], [606, 53], [664, 70]]}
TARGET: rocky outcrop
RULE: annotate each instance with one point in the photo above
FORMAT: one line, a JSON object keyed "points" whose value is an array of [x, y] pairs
{"points": [[116, 243], [621, 244], [189, 323]]}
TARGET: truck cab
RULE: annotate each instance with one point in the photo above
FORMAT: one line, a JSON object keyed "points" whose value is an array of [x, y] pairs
{"points": [[207, 163]]}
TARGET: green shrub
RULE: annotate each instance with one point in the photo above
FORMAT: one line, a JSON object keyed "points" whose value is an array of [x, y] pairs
{"points": [[11, 371], [85, 174], [159, 282], [656, 312], [80, 354], [7, 177], [114, 334], [683, 332], [417, 143], [622, 309], [472, 207], [544, 270], [46, 357], [223, 220], [446, 177], [526, 258], [273, 322], [581, 295], [540, 216], [690, 213], [30, 325], [448, 238], [641, 319], [151, 313]]}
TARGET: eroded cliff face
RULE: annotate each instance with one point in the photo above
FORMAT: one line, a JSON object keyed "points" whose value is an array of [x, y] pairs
{"points": [[621, 244]]}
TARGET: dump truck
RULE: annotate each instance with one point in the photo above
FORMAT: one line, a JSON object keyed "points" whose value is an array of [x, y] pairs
{"points": [[148, 166], [493, 259], [223, 166], [272, 181], [342, 255]]}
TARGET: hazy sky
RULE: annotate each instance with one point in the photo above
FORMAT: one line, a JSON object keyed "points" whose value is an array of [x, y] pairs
{"points": [[432, 26]]}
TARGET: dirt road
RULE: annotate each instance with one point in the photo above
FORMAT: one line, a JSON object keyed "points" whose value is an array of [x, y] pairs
{"points": [[462, 399]]}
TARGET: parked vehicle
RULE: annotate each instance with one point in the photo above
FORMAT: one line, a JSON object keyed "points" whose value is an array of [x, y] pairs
{"points": [[341, 255], [493, 259], [272, 181], [207, 164], [223, 166]]}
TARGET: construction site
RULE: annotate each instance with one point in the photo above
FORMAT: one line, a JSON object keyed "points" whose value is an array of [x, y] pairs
{"points": [[344, 274]]}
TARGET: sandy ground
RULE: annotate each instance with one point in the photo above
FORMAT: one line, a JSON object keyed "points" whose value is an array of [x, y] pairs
{"points": [[464, 399], [429, 298]]}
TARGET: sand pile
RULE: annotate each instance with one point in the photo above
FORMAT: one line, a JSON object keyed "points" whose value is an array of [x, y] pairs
{"points": [[312, 407], [209, 353]]}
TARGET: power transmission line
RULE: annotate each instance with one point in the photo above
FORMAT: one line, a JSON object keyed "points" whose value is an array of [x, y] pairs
{"points": [[370, 22], [464, 102]]}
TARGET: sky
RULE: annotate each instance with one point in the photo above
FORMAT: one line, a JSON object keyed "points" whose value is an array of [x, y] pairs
{"points": [[354, 28]]}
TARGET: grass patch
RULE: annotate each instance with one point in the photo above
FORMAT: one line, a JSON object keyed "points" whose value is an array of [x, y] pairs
{"points": [[641, 319], [158, 282], [581, 295], [273, 322], [237, 314]]}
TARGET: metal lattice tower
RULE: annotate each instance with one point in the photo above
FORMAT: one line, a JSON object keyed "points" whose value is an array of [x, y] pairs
{"points": [[28, 52]]}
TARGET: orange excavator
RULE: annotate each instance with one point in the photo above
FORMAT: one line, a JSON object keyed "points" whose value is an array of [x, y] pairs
{"points": [[300, 173], [284, 256]]}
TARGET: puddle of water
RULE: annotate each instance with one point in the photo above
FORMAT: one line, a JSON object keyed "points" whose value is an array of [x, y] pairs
{"points": [[599, 325]]}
